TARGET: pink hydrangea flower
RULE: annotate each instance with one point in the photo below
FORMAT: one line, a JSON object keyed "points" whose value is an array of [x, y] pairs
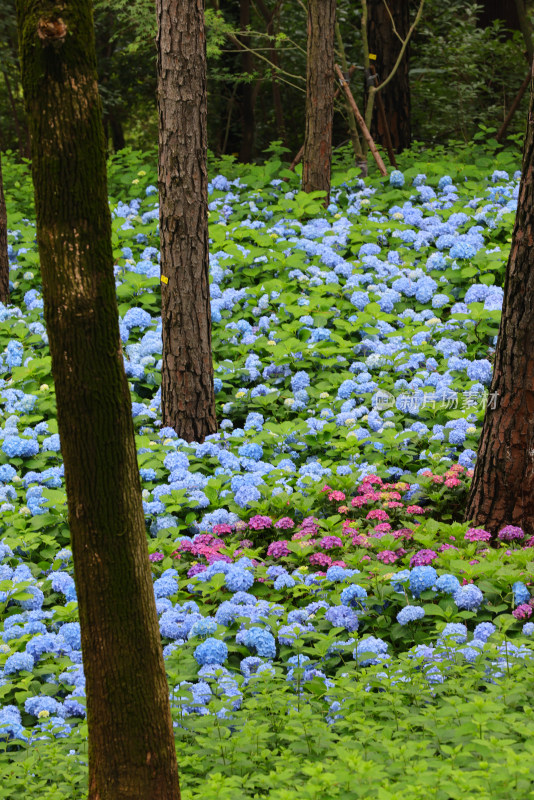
{"points": [[378, 513], [221, 530], [382, 527], [285, 522], [423, 558], [510, 533], [156, 557], [451, 483], [278, 549], [320, 560], [394, 504], [336, 496], [387, 556], [359, 540], [329, 542], [260, 523], [415, 510], [477, 535], [524, 611]]}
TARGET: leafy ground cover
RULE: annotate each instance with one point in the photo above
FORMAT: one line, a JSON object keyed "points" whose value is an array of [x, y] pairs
{"points": [[327, 619]]}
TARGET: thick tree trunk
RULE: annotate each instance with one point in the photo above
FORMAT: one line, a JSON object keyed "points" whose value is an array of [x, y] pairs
{"points": [[4, 259], [502, 490], [131, 743], [317, 158], [386, 45], [187, 392]]}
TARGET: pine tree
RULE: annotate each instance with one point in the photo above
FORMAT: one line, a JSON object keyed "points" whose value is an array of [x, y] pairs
{"points": [[131, 743], [502, 491], [317, 158], [187, 392]]}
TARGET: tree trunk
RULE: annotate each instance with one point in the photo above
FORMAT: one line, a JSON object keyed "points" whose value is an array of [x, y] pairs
{"points": [[386, 45], [187, 392], [317, 158], [502, 491], [4, 259], [246, 151], [131, 743], [117, 133]]}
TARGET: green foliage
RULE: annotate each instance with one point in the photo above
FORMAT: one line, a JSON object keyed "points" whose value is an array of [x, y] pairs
{"points": [[392, 739]]}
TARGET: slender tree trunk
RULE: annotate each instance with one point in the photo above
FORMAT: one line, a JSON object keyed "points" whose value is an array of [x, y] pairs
{"points": [[502, 491], [18, 130], [187, 392], [269, 17], [248, 122], [4, 259], [386, 45], [117, 133], [317, 158], [131, 743]]}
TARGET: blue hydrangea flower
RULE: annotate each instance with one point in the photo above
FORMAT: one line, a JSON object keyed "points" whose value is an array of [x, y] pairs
{"points": [[396, 179], [468, 597], [410, 614], [212, 651], [421, 579]]}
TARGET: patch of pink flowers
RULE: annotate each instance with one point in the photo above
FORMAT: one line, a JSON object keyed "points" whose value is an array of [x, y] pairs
{"points": [[524, 611], [415, 510], [382, 528], [387, 556], [278, 549], [336, 496], [329, 542], [423, 558], [259, 523], [156, 557], [320, 560], [221, 530], [477, 535], [510, 533], [378, 513], [284, 523]]}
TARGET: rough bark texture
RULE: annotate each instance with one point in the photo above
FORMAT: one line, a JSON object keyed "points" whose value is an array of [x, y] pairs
{"points": [[317, 158], [187, 392], [386, 46], [502, 491], [131, 743], [4, 260]]}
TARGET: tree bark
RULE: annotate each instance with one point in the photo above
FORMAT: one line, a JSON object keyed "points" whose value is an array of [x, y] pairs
{"points": [[187, 392], [248, 122], [131, 743], [386, 45], [502, 491], [4, 259], [317, 158]]}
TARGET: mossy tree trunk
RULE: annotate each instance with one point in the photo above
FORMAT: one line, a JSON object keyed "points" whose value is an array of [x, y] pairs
{"points": [[131, 743], [187, 393], [317, 158], [4, 259], [502, 491], [386, 45]]}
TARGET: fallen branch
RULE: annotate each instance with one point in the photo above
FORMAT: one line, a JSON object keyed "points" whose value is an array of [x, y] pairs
{"points": [[361, 122]]}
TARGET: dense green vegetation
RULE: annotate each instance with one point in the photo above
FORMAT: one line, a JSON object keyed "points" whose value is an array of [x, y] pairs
{"points": [[287, 547]]}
